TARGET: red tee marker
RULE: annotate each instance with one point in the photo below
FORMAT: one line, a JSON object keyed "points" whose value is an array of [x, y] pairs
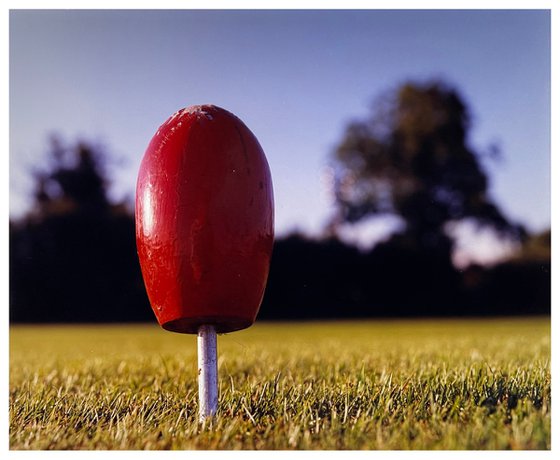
{"points": [[204, 230]]}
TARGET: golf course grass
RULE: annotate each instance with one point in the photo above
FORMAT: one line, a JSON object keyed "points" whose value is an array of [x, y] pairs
{"points": [[428, 384]]}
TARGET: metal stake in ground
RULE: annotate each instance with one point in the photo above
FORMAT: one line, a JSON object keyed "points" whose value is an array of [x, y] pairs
{"points": [[207, 372], [204, 231]]}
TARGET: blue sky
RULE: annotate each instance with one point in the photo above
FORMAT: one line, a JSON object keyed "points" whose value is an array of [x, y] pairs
{"points": [[296, 78]]}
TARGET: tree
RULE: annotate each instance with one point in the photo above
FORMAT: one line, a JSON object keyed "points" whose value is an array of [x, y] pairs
{"points": [[73, 257], [535, 249], [412, 158], [75, 182]]}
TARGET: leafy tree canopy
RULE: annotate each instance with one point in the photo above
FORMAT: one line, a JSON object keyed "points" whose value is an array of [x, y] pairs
{"points": [[412, 158], [75, 182]]}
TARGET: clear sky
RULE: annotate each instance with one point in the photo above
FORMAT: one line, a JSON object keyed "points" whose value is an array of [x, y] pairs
{"points": [[296, 78]]}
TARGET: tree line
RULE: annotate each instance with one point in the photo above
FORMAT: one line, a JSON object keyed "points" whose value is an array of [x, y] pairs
{"points": [[73, 256]]}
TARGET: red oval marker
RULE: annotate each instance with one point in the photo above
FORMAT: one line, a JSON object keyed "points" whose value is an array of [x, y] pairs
{"points": [[204, 221]]}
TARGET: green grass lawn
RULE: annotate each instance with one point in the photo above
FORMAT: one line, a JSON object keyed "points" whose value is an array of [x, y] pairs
{"points": [[476, 384]]}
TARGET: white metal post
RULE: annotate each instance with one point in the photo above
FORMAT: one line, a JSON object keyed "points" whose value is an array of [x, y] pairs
{"points": [[207, 372]]}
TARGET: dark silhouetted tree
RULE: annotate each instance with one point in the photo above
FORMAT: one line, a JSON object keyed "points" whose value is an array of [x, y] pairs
{"points": [[412, 158], [73, 257], [75, 183]]}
